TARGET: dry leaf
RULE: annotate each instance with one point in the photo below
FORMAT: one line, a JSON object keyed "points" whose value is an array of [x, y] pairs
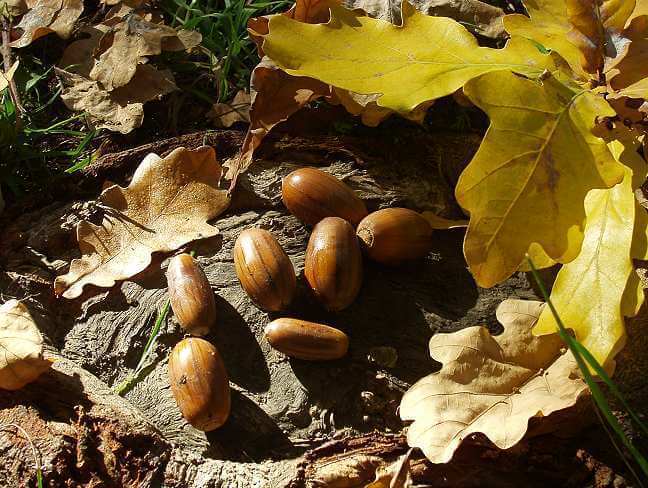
{"points": [[488, 384], [167, 205], [21, 347], [275, 96], [227, 114], [120, 110], [348, 472], [478, 16], [46, 16], [5, 78], [396, 475], [129, 43]]}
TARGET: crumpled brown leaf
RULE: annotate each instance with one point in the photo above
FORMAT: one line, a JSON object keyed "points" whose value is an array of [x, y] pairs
{"points": [[227, 114], [167, 205], [478, 16], [107, 74], [21, 347], [492, 385], [122, 109], [348, 472], [46, 16], [275, 96], [129, 44]]}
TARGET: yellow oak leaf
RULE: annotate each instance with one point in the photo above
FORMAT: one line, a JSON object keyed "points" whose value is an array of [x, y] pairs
{"points": [[490, 384], [424, 59], [167, 205], [583, 32], [21, 347], [530, 176], [594, 291]]}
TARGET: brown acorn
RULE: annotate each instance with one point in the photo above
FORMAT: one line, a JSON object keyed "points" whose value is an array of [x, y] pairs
{"points": [[393, 235], [191, 297], [199, 383], [306, 340], [264, 270], [333, 265], [311, 195]]}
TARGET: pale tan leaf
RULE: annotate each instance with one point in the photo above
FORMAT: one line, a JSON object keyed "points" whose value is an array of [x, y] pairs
{"points": [[122, 109], [227, 114], [478, 16], [46, 16], [5, 78], [490, 384], [167, 205], [21, 347]]}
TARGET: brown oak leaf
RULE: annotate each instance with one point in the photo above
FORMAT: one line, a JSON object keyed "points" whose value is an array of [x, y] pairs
{"points": [[166, 206], [46, 16]]}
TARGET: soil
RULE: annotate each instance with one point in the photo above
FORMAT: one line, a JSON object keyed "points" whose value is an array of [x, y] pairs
{"points": [[293, 423]]}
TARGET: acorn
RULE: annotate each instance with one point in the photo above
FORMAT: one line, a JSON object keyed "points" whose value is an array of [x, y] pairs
{"points": [[333, 265], [199, 383], [311, 195], [191, 297], [264, 270], [306, 340], [393, 235]]}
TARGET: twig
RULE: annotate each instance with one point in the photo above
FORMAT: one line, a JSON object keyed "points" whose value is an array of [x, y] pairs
{"points": [[34, 449], [6, 58]]}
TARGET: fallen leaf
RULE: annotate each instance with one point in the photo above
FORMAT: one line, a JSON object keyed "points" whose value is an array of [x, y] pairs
{"points": [[347, 472], [584, 33], [530, 176], [227, 114], [129, 43], [483, 18], [21, 347], [122, 109], [490, 384], [396, 475], [46, 16], [600, 274], [409, 72], [437, 222], [275, 96], [167, 205], [5, 78]]}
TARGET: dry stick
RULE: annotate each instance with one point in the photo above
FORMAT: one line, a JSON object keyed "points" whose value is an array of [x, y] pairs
{"points": [[6, 58], [34, 449]]}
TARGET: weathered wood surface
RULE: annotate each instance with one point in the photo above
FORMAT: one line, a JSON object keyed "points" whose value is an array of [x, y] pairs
{"points": [[281, 407]]}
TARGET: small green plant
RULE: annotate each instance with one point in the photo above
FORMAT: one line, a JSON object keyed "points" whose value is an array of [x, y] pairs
{"points": [[587, 363], [223, 25], [35, 140]]}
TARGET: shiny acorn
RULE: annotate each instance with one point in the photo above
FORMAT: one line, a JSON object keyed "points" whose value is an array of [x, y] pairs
{"points": [[191, 297], [333, 265], [393, 235], [264, 270], [199, 383], [306, 340], [311, 195]]}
